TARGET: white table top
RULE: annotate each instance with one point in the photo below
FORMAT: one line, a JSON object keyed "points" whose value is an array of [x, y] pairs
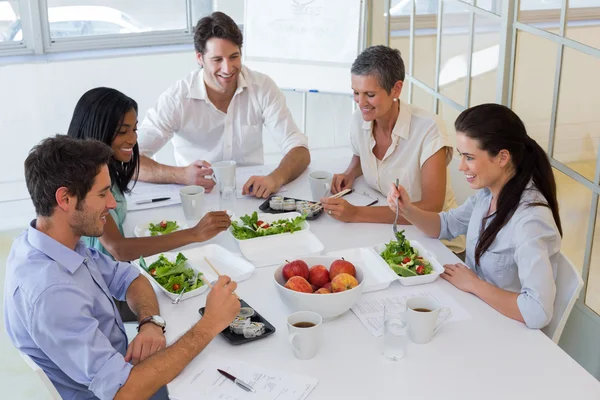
{"points": [[486, 357]]}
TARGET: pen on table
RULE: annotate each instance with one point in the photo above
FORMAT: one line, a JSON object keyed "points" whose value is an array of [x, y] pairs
{"points": [[152, 200], [238, 382]]}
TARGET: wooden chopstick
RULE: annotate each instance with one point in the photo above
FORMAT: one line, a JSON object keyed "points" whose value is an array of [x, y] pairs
{"points": [[216, 272], [335, 196]]}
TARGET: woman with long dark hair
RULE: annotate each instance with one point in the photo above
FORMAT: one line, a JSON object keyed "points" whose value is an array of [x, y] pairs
{"points": [[512, 224], [109, 116]]}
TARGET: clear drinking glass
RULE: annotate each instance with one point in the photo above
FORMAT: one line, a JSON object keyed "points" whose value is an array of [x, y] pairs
{"points": [[227, 199], [395, 334]]}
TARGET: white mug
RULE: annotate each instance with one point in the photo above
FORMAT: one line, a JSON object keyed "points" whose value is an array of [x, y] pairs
{"points": [[305, 341], [422, 316], [224, 173], [192, 198], [320, 184]]}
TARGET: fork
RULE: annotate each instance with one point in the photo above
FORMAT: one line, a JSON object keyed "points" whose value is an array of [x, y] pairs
{"points": [[395, 226], [177, 299]]}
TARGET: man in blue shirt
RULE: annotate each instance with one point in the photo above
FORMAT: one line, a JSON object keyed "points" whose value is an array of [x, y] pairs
{"points": [[58, 298]]}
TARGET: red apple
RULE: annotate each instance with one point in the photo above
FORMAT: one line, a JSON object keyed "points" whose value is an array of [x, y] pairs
{"points": [[343, 282], [327, 286], [318, 276], [341, 266], [298, 284], [295, 268], [323, 291]]}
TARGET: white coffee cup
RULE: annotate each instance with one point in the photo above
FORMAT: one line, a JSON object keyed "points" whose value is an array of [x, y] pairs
{"points": [[192, 199], [224, 173], [305, 341], [320, 184], [422, 316]]}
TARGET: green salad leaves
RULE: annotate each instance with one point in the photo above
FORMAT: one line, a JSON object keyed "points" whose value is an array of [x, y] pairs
{"points": [[252, 227], [163, 227], [176, 276], [403, 259]]}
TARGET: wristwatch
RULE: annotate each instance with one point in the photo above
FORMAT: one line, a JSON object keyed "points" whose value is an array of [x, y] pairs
{"points": [[156, 320]]}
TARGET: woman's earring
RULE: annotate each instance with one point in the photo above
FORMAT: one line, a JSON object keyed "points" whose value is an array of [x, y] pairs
{"points": [[395, 99]]}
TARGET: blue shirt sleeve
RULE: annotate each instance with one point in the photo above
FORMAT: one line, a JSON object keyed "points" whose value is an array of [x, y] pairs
{"points": [[537, 242], [69, 324], [117, 275], [455, 222]]}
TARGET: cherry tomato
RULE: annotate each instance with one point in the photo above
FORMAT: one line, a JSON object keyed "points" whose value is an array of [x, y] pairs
{"points": [[406, 260], [259, 222], [420, 270], [163, 224], [176, 287]]}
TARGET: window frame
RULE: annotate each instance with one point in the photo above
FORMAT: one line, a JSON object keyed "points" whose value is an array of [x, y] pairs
{"points": [[36, 39]]}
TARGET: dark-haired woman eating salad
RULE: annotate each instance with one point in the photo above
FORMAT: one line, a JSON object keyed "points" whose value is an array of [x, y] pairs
{"points": [[512, 224]]}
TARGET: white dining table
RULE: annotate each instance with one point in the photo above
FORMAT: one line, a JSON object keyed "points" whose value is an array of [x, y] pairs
{"points": [[488, 356]]}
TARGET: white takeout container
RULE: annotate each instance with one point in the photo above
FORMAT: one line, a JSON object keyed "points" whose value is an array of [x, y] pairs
{"points": [[269, 218], [143, 229], [275, 249], [438, 269], [378, 274], [226, 263], [329, 306]]}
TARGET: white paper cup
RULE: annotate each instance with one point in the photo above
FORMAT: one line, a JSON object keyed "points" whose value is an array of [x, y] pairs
{"points": [[422, 325], [192, 200], [305, 341], [224, 173], [320, 184]]}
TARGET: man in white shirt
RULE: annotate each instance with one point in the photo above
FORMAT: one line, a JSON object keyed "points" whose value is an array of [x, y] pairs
{"points": [[218, 113]]}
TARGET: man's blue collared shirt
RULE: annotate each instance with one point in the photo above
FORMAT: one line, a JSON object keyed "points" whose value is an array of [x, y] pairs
{"points": [[58, 309]]}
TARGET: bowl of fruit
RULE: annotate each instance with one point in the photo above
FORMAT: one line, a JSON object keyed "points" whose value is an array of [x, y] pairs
{"points": [[328, 286]]}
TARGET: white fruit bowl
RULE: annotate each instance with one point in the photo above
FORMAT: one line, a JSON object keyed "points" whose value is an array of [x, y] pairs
{"points": [[330, 305]]}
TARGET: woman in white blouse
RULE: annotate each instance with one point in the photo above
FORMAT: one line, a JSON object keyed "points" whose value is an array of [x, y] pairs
{"points": [[512, 224], [392, 140]]}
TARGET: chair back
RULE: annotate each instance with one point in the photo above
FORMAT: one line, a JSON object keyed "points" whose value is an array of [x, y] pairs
{"points": [[568, 287]]}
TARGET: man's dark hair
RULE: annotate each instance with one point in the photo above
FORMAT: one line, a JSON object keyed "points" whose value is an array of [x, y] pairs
{"points": [[217, 25], [382, 62], [62, 161]]}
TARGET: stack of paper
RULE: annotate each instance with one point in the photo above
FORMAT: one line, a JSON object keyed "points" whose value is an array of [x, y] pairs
{"points": [[208, 383], [143, 191]]}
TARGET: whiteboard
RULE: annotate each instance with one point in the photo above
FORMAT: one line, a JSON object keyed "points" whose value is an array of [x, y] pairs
{"points": [[304, 44]]}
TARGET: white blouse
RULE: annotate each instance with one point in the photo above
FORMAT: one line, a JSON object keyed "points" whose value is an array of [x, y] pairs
{"points": [[417, 135]]}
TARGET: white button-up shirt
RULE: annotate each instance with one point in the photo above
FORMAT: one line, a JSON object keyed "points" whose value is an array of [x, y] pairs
{"points": [[524, 256], [200, 131], [417, 135]]}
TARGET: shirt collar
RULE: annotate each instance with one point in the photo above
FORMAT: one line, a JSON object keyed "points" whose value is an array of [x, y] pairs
{"points": [[58, 252], [402, 126], [198, 86]]}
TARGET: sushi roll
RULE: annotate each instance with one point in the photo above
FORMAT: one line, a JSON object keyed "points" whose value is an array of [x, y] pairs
{"points": [[289, 205], [238, 325], [276, 204], [254, 329]]}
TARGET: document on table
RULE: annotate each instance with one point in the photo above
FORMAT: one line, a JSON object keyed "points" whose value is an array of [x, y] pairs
{"points": [[361, 198], [242, 174], [207, 383], [369, 309], [147, 191]]}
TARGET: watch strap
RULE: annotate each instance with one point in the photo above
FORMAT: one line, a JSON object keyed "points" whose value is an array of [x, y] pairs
{"points": [[149, 318]]}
